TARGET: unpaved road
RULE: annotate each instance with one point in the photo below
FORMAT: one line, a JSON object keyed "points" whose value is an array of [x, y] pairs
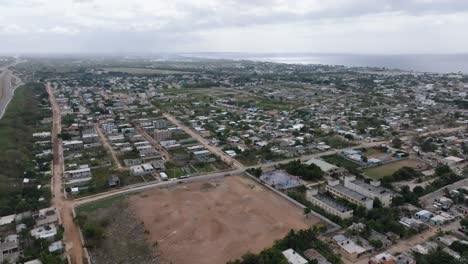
{"points": [[225, 157], [109, 148], [71, 235]]}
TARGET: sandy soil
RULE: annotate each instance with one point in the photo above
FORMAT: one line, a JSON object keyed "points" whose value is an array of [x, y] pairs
{"points": [[215, 222]]}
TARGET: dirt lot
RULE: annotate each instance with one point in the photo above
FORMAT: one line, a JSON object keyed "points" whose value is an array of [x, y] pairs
{"points": [[214, 222]]}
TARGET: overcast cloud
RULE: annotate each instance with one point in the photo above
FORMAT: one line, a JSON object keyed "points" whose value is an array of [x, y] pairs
{"points": [[350, 26]]}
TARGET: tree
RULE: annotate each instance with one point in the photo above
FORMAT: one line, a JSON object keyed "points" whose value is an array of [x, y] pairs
{"points": [[396, 143], [418, 190]]}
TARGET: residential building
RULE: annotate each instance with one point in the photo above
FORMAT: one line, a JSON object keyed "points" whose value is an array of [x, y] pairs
{"points": [[9, 249], [293, 257], [161, 135], [78, 174]]}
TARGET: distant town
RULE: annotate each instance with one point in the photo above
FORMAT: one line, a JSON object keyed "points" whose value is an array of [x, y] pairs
{"points": [[136, 160]]}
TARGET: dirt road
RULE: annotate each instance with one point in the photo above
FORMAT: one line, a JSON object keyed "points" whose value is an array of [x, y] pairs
{"points": [[109, 148], [218, 152], [153, 142], [65, 207]]}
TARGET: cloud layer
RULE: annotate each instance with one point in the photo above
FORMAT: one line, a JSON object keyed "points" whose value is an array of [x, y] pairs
{"points": [[143, 26]]}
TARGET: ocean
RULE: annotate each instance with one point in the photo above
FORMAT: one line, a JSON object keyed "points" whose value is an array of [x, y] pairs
{"points": [[436, 63]]}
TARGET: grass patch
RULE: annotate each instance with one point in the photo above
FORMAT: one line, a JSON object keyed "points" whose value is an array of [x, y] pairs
{"points": [[378, 172], [341, 162], [104, 203]]}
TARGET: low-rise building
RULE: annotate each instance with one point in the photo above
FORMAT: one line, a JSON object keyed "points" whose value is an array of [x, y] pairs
{"points": [[337, 190], [293, 257], [78, 174], [328, 204], [372, 190]]}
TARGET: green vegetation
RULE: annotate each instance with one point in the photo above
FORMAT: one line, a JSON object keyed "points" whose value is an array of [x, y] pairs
{"points": [[444, 176], [386, 170], [307, 172], [300, 241], [342, 162], [103, 203], [17, 149], [402, 174]]}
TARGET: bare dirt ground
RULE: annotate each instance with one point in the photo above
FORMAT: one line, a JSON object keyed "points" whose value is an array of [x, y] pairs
{"points": [[214, 222]]}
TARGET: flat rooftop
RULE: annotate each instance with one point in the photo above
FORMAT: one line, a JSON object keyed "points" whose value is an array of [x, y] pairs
{"points": [[348, 192]]}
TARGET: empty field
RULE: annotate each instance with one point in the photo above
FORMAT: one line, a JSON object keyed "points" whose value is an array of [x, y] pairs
{"points": [[214, 222], [144, 71], [381, 171]]}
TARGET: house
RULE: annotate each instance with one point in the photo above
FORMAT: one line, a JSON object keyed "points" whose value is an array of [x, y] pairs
{"points": [[404, 259], [312, 254], [328, 204], [113, 181], [142, 170], [45, 232], [293, 257], [424, 215], [382, 258], [72, 144], [78, 174], [56, 247], [348, 248], [6, 220], [202, 155], [161, 135], [9, 249], [46, 216]]}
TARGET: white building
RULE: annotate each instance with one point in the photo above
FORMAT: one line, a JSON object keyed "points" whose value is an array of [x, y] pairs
{"points": [[372, 190], [337, 190], [328, 205], [293, 257], [78, 174]]}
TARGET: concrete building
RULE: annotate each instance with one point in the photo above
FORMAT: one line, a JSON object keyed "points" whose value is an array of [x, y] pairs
{"points": [[78, 174], [9, 249], [72, 144], [161, 135], [327, 168], [372, 190], [45, 232], [328, 204], [293, 257], [337, 190]]}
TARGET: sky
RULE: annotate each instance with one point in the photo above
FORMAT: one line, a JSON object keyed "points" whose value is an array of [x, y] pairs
{"points": [[157, 26]]}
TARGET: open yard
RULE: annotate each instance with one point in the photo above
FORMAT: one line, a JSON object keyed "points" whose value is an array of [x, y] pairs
{"points": [[381, 171], [214, 222]]}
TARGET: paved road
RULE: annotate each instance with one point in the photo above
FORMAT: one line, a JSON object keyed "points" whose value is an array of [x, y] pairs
{"points": [[6, 89], [429, 198], [65, 207]]}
